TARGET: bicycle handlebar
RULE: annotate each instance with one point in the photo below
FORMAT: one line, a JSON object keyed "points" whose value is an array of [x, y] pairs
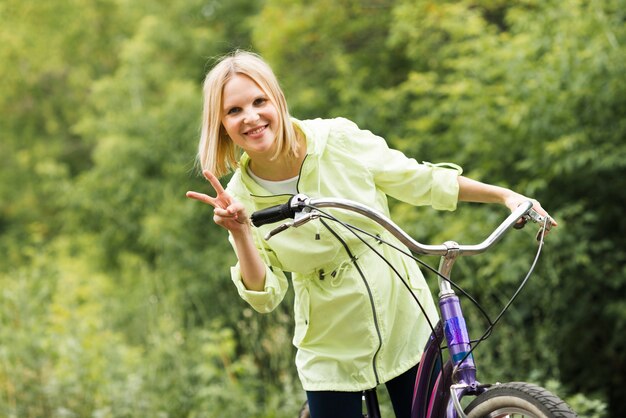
{"points": [[273, 214], [302, 209]]}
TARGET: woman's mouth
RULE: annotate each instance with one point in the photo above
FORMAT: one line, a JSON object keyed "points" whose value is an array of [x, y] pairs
{"points": [[256, 131]]}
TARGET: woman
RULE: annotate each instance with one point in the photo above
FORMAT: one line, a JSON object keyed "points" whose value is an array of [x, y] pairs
{"points": [[356, 325]]}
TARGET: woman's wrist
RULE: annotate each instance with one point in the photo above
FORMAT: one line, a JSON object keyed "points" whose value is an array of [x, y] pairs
{"points": [[242, 229]]}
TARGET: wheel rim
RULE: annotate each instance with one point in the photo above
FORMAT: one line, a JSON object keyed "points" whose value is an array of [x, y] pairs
{"points": [[511, 412]]}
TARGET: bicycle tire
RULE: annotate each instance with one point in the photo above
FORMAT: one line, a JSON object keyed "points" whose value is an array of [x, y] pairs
{"points": [[518, 399]]}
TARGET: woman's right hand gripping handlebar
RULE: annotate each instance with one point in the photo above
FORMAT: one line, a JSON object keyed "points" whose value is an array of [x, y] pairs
{"points": [[231, 215]]}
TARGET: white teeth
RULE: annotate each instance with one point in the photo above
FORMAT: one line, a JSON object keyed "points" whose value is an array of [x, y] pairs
{"points": [[256, 131]]}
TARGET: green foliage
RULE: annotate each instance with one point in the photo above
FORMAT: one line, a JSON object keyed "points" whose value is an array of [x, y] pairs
{"points": [[116, 298]]}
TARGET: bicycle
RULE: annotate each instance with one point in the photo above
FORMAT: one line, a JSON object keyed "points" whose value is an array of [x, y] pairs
{"points": [[440, 385]]}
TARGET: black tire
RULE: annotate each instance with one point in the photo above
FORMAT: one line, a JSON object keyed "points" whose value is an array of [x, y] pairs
{"points": [[519, 400]]}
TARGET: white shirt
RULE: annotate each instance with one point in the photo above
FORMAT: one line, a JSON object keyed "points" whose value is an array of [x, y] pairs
{"points": [[288, 186]]}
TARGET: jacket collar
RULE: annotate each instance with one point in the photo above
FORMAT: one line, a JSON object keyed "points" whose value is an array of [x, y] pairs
{"points": [[316, 132]]}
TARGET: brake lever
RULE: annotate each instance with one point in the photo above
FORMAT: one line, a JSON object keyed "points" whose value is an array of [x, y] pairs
{"points": [[280, 228], [300, 219], [545, 227], [534, 216]]}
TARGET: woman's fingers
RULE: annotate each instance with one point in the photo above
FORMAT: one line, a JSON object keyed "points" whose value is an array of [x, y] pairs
{"points": [[239, 211], [222, 200], [227, 212], [516, 200], [235, 211], [537, 207], [214, 181], [202, 198], [232, 218], [544, 230]]}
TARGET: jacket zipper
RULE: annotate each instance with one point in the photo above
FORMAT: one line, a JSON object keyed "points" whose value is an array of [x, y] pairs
{"points": [[369, 293]]}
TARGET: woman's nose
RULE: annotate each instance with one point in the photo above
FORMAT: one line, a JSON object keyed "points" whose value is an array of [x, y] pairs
{"points": [[251, 116]]}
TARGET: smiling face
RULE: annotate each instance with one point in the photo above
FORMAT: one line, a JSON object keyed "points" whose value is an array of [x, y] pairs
{"points": [[249, 117]]}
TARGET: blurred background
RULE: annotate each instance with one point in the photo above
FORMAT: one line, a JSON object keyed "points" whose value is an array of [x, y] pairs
{"points": [[115, 296]]}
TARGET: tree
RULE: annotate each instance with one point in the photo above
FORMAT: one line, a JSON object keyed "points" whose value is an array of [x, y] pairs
{"points": [[114, 282]]}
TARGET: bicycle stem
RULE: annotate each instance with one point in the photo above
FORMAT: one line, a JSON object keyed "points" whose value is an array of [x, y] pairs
{"points": [[445, 267]]}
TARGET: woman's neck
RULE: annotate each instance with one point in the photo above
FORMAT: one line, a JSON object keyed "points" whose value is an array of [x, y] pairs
{"points": [[281, 168]]}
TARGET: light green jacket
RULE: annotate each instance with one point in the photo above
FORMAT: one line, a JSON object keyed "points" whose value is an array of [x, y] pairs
{"points": [[356, 325]]}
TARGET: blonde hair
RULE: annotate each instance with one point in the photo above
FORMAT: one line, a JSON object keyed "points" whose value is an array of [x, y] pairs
{"points": [[216, 152]]}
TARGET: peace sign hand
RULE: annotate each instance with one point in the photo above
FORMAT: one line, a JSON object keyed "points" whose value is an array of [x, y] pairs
{"points": [[229, 213]]}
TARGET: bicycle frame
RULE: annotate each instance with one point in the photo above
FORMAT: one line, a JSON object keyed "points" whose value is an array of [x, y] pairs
{"points": [[434, 390]]}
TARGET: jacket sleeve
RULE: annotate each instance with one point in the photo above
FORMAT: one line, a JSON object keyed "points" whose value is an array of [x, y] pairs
{"points": [[401, 177], [276, 284]]}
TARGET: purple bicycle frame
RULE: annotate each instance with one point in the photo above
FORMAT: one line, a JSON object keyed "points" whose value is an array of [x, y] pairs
{"points": [[432, 396]]}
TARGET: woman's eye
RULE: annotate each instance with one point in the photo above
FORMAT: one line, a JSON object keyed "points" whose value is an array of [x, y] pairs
{"points": [[260, 101], [232, 111]]}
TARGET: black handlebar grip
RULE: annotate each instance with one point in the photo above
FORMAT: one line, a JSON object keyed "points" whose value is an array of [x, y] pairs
{"points": [[272, 214]]}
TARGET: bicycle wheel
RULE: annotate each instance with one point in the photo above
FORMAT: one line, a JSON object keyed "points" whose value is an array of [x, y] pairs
{"points": [[518, 400]]}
